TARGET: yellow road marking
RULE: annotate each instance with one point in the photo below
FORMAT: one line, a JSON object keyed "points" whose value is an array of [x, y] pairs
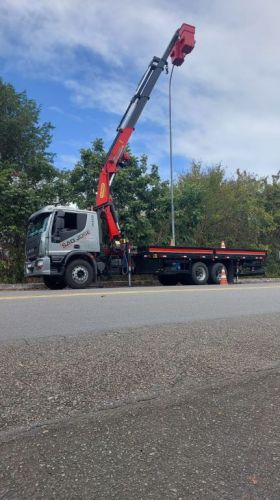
{"points": [[136, 292]]}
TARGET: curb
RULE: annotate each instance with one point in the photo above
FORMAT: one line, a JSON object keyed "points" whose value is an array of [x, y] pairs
{"points": [[100, 284], [22, 286]]}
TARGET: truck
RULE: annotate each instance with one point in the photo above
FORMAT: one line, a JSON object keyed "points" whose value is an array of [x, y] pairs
{"points": [[67, 246]]}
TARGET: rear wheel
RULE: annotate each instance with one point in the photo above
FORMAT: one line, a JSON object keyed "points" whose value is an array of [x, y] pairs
{"points": [[79, 274], [216, 271], [168, 280], [54, 282], [200, 273]]}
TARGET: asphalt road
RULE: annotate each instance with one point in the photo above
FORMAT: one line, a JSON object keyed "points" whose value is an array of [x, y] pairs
{"points": [[172, 410], [51, 313]]}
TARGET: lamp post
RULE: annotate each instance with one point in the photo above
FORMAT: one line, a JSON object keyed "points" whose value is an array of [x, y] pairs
{"points": [[173, 241]]}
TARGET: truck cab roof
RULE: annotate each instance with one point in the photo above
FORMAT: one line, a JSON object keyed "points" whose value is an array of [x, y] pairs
{"points": [[53, 208]]}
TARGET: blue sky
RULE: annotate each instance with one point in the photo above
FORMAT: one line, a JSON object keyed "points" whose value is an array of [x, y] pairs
{"points": [[81, 61]]}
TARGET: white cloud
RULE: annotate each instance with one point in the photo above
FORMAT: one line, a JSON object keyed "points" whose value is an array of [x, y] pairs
{"points": [[60, 111], [225, 97], [107, 95], [67, 161]]}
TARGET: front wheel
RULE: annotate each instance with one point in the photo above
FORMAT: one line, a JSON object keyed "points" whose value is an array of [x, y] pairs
{"points": [[54, 282], [200, 273], [79, 274]]}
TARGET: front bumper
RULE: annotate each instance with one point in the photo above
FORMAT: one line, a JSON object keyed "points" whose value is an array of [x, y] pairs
{"points": [[38, 267]]}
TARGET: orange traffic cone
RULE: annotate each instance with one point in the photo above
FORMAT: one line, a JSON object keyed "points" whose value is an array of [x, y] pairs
{"points": [[223, 278]]}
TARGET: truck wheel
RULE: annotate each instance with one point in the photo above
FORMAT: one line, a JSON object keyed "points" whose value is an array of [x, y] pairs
{"points": [[54, 282], [200, 273], [168, 280], [79, 274], [216, 271]]}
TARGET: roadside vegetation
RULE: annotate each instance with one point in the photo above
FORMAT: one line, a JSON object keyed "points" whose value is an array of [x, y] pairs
{"points": [[243, 210]]}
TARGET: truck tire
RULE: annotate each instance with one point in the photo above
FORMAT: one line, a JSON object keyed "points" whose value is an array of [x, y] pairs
{"points": [[216, 271], [168, 280], [200, 273], [54, 282], [79, 274]]}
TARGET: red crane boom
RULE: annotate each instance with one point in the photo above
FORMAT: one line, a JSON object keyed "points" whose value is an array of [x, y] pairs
{"points": [[181, 44]]}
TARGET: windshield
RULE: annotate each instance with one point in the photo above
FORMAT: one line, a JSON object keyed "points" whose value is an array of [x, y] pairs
{"points": [[38, 225]]}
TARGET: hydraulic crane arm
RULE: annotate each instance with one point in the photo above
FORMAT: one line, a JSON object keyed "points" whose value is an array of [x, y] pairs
{"points": [[181, 44]]}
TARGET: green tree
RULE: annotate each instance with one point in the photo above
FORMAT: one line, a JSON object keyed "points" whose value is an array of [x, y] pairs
{"points": [[271, 198], [24, 141], [211, 207], [84, 176], [138, 194], [28, 178], [198, 206], [249, 222]]}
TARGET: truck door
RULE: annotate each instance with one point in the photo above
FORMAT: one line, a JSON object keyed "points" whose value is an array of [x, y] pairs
{"points": [[74, 231]]}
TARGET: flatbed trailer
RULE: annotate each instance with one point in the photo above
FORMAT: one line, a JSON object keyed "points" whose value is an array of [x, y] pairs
{"points": [[197, 265]]}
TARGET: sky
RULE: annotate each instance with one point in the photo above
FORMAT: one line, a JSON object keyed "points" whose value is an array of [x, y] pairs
{"points": [[81, 61]]}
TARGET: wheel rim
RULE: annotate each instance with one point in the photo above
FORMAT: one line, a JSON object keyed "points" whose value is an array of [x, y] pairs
{"points": [[200, 274], [219, 273], [80, 274]]}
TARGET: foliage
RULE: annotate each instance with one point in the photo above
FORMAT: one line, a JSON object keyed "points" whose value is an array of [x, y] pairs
{"points": [[84, 177], [212, 208], [138, 194], [28, 178], [23, 141], [197, 202]]}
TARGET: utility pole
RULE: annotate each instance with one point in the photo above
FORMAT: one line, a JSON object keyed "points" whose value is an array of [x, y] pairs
{"points": [[173, 239]]}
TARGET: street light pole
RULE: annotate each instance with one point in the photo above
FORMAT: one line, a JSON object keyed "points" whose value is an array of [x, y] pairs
{"points": [[172, 243]]}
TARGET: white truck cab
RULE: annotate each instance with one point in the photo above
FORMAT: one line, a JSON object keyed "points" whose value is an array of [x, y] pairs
{"points": [[57, 236]]}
